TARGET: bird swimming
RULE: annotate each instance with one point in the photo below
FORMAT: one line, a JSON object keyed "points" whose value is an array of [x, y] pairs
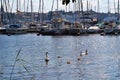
{"points": [[84, 53], [68, 62], [58, 57], [46, 57]]}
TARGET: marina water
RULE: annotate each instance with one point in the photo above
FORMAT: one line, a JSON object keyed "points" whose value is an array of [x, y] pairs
{"points": [[101, 63]]}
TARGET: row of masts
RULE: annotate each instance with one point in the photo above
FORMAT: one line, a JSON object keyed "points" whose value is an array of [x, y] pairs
{"points": [[89, 5], [9, 7], [25, 3]]}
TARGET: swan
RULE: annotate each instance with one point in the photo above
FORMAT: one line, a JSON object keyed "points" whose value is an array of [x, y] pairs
{"points": [[84, 53], [46, 58], [68, 62]]}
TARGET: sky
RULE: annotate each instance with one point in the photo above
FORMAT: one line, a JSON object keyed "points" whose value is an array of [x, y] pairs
{"points": [[48, 5]]}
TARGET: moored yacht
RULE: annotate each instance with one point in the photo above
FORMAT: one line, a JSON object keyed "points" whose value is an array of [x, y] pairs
{"points": [[16, 29]]}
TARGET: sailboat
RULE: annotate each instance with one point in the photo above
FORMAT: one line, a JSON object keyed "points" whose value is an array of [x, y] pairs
{"points": [[15, 26], [110, 22], [2, 29], [60, 25]]}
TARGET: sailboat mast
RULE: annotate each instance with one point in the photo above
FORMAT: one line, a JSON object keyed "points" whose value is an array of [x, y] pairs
{"points": [[39, 11], [69, 7], [108, 6], [32, 10], [24, 6], [78, 5], [82, 6], [1, 12], [42, 11], [87, 6], [114, 6], [118, 9], [57, 5], [31, 6], [17, 6], [98, 8]]}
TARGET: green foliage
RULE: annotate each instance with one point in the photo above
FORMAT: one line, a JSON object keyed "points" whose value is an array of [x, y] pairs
{"points": [[67, 2]]}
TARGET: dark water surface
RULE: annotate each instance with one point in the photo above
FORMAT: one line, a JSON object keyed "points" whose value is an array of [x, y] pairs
{"points": [[101, 63]]}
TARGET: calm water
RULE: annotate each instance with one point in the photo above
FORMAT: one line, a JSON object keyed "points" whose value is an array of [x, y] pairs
{"points": [[101, 63]]}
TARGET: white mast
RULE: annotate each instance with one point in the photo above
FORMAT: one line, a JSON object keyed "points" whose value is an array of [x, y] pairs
{"points": [[81, 5], [57, 5], [108, 6], [1, 12], [118, 9], [114, 7], [87, 6], [98, 8], [42, 10]]}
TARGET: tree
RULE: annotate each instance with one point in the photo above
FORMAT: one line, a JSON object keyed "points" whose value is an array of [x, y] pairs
{"points": [[67, 2]]}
